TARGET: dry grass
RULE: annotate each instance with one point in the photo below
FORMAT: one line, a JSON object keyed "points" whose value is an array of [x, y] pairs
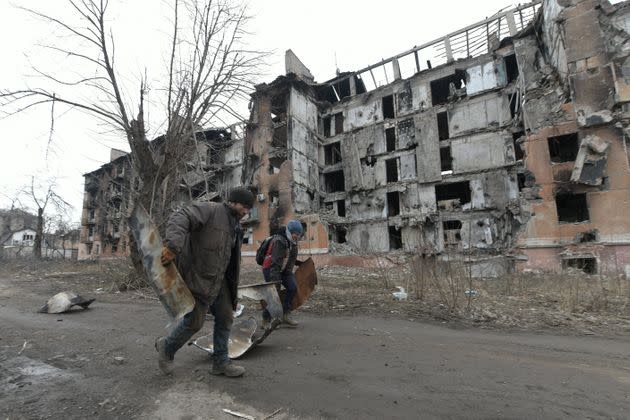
{"points": [[114, 275], [447, 291]]}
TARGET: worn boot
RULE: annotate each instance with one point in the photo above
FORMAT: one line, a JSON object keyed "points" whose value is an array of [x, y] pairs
{"points": [[228, 369], [287, 320], [165, 362]]}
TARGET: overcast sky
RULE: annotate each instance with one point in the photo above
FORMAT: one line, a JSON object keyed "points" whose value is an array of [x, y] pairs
{"points": [[324, 34]]}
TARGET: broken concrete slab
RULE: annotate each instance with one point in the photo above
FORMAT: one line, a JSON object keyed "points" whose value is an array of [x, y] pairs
{"points": [[590, 163]]}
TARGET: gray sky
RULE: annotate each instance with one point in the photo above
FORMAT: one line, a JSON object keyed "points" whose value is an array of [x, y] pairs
{"points": [[324, 34]]}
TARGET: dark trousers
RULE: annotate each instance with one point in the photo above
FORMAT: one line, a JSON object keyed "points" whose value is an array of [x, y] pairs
{"points": [[288, 281], [192, 322]]}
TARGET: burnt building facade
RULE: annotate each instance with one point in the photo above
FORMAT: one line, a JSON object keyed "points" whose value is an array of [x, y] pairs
{"points": [[211, 164], [503, 142]]}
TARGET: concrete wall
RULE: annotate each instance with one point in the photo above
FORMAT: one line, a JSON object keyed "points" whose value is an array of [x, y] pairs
{"points": [[479, 114], [481, 151]]}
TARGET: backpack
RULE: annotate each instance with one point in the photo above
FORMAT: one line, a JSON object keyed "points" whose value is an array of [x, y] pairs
{"points": [[261, 253], [262, 250]]}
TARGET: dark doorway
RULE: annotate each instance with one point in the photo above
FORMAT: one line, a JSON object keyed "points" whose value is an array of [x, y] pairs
{"points": [[442, 89], [390, 139], [452, 191], [395, 238], [393, 204], [446, 160], [572, 208], [391, 169], [388, 107], [587, 265], [442, 119], [511, 67], [334, 181], [341, 208], [563, 148]]}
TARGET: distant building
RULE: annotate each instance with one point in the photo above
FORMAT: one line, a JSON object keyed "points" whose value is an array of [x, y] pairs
{"points": [[14, 220], [20, 243], [214, 166]]}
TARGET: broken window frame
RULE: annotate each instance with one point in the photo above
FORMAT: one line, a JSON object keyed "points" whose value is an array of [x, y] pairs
{"points": [[390, 139], [338, 185], [519, 152], [395, 238], [582, 213], [446, 160], [393, 203], [587, 264], [341, 208], [392, 167], [338, 234], [388, 107], [454, 226], [327, 126], [442, 195], [521, 180], [562, 153], [441, 90], [332, 153], [512, 71], [442, 123], [338, 117]]}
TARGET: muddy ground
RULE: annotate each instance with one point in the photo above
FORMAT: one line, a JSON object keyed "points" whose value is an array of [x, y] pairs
{"points": [[356, 354]]}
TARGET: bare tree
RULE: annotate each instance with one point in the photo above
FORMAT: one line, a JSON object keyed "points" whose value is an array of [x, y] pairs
{"points": [[42, 197], [209, 70]]}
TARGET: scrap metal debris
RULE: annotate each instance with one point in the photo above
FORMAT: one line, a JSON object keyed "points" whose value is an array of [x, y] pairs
{"points": [[63, 302], [400, 294], [237, 414], [166, 281], [272, 414], [245, 333]]}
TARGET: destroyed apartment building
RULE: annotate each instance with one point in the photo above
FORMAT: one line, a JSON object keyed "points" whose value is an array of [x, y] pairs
{"points": [[504, 142], [210, 168]]}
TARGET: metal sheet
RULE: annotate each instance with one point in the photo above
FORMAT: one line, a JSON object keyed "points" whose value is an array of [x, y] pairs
{"points": [[245, 333], [306, 279], [266, 292], [166, 281], [243, 336]]}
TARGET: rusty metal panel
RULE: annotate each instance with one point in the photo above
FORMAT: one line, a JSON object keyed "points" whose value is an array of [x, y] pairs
{"points": [[306, 279], [166, 281]]}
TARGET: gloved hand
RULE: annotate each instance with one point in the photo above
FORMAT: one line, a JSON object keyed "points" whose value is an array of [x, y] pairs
{"points": [[167, 256]]}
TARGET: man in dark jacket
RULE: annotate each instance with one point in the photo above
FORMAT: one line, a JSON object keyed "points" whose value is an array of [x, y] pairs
{"points": [[206, 239], [278, 265]]}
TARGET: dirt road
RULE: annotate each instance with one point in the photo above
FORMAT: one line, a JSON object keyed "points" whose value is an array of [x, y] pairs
{"points": [[100, 363]]}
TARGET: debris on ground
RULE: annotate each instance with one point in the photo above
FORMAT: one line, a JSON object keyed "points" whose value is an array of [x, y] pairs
{"points": [[270, 415], [237, 414], [63, 302], [400, 294]]}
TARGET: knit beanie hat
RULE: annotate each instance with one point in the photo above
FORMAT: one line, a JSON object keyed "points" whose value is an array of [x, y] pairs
{"points": [[294, 226], [241, 195]]}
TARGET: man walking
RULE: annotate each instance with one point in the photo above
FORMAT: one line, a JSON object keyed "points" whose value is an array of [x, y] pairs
{"points": [[206, 238], [280, 258]]}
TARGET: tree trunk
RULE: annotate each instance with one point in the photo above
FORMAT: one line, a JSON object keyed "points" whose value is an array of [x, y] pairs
{"points": [[39, 234]]}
